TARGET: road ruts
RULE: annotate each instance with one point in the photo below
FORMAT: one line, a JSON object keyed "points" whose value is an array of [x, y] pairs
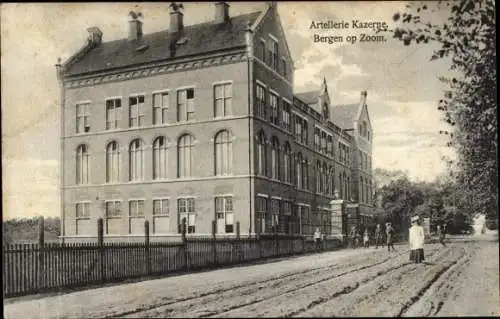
{"points": [[239, 295]]}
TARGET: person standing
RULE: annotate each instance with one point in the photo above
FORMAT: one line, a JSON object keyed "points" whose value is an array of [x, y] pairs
{"points": [[353, 235], [317, 238], [416, 238], [378, 236], [390, 237], [441, 235], [366, 239]]}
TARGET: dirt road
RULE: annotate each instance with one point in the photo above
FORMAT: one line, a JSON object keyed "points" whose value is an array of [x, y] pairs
{"points": [[460, 279]]}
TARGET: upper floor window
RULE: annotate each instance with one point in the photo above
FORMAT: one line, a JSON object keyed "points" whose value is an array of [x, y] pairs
{"points": [[317, 139], [273, 103], [161, 104], [286, 116], [260, 101], [160, 158], [261, 50], [329, 145], [82, 165], [185, 148], [261, 154], [136, 160], [273, 54], [223, 153], [323, 142], [113, 109], [185, 104], [223, 99], [326, 189], [136, 111], [287, 163], [368, 135], [112, 162], [319, 177], [298, 170], [305, 173], [275, 159], [284, 67], [83, 118]]}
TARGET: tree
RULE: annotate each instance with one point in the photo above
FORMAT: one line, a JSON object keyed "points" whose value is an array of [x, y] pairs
{"points": [[469, 104]]}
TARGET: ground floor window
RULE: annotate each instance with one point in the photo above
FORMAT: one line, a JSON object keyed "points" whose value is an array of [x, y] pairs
{"points": [[186, 209], [274, 216], [224, 213], [260, 214], [161, 216], [82, 217], [136, 217], [113, 217]]}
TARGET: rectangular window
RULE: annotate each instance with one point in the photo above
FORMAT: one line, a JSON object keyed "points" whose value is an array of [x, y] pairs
{"points": [[136, 217], [161, 104], [275, 213], [261, 50], [223, 100], [286, 116], [113, 217], [273, 103], [186, 209], [136, 111], [317, 138], [273, 54], [185, 105], [161, 216], [83, 118], [329, 145], [225, 214], [260, 214], [113, 109], [323, 142], [82, 210], [284, 67], [298, 128], [82, 218], [287, 226], [260, 102], [304, 139]]}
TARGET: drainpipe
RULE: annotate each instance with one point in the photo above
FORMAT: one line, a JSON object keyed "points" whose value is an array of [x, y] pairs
{"points": [[60, 78], [249, 42]]}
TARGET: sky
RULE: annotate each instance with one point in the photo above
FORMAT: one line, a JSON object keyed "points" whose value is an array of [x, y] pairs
{"points": [[402, 84]]}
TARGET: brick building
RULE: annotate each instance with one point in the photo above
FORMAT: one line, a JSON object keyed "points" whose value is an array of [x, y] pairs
{"points": [[201, 121]]}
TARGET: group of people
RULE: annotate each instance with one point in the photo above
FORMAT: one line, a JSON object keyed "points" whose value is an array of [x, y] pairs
{"points": [[355, 237]]}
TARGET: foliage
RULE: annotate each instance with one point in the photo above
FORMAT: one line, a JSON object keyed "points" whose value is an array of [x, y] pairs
{"points": [[469, 105], [27, 229]]}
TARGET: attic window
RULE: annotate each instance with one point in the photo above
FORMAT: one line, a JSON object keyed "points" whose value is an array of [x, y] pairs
{"points": [[182, 40]]}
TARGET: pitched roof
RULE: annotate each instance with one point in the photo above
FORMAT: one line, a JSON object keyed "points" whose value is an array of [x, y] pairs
{"points": [[201, 38], [344, 115], [309, 98]]}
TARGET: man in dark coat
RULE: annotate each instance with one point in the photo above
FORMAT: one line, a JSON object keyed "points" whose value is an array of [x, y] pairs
{"points": [[378, 236], [390, 237]]}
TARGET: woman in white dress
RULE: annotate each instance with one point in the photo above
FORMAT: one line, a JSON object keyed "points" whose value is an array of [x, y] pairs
{"points": [[416, 239]]}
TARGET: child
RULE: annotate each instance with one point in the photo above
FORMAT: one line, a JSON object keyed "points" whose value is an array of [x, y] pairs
{"points": [[366, 239]]}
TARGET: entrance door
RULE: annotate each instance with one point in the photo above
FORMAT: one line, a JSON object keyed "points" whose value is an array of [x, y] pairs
{"points": [[221, 223]]}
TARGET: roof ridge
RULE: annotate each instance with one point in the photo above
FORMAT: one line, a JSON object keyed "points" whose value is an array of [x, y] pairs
{"points": [[185, 27]]}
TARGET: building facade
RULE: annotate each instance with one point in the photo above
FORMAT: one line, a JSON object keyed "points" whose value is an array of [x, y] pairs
{"points": [[202, 122]]}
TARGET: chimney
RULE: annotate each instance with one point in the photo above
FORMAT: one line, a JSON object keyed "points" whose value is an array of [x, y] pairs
{"points": [[221, 12], [362, 99], [135, 27], [176, 17], [95, 36]]}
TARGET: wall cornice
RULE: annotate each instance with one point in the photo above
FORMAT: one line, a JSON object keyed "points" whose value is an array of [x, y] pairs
{"points": [[157, 68]]}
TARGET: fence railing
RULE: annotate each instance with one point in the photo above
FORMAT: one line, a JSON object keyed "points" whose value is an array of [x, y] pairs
{"points": [[35, 268]]}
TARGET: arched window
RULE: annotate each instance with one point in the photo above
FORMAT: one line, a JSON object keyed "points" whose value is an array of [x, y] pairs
{"points": [[184, 153], [82, 165], [112, 162], [298, 170], [136, 160], [261, 154], [160, 158], [223, 153], [275, 158], [287, 163]]}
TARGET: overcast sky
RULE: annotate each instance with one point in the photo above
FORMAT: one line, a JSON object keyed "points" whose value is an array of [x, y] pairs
{"points": [[403, 87]]}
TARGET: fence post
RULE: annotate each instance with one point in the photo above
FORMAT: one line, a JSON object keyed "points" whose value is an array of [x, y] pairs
{"points": [[238, 242], [214, 248], [148, 250], [184, 243], [41, 253], [100, 243]]}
